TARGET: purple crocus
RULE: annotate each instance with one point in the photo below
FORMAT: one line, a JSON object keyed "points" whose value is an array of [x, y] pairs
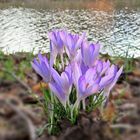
{"points": [[108, 77], [82, 70], [88, 84], [61, 85], [89, 53], [56, 44], [42, 67], [111, 81], [102, 66], [73, 43]]}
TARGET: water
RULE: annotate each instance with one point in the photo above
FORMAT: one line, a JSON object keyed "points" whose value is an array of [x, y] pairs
{"points": [[115, 25]]}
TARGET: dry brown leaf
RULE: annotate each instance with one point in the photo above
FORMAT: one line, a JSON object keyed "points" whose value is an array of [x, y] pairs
{"points": [[39, 86], [136, 72], [109, 113]]}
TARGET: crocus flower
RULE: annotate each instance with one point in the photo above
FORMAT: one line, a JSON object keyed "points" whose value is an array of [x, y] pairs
{"points": [[109, 77], [102, 66], [73, 43], [89, 53], [88, 84], [56, 45], [108, 87], [42, 67], [61, 85]]}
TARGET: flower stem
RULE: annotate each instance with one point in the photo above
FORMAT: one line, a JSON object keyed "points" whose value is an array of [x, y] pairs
{"points": [[84, 105], [61, 57], [74, 112], [51, 114]]}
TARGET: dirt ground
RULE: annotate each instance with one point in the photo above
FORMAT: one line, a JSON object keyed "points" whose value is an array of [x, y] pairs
{"points": [[22, 116]]}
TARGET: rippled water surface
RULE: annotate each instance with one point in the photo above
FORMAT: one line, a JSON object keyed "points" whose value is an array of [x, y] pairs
{"points": [[117, 28]]}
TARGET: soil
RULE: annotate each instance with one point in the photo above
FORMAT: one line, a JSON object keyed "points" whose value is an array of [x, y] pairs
{"points": [[22, 116]]}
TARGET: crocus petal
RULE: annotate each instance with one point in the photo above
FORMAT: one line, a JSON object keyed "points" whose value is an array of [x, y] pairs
{"points": [[89, 53], [70, 42], [76, 72], [60, 42], [45, 72], [86, 89], [56, 77], [56, 45], [36, 68], [52, 37], [96, 51], [63, 36], [99, 66], [108, 78], [82, 85], [65, 82], [42, 67], [62, 84], [58, 92], [85, 53], [53, 53], [80, 40], [116, 78], [91, 90], [83, 67], [111, 85], [78, 57], [90, 74], [68, 69], [106, 65]]}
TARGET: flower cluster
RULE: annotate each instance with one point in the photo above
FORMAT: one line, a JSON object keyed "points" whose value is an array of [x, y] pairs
{"points": [[74, 69]]}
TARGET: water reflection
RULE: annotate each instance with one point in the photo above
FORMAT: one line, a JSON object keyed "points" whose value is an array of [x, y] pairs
{"points": [[25, 29]]}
